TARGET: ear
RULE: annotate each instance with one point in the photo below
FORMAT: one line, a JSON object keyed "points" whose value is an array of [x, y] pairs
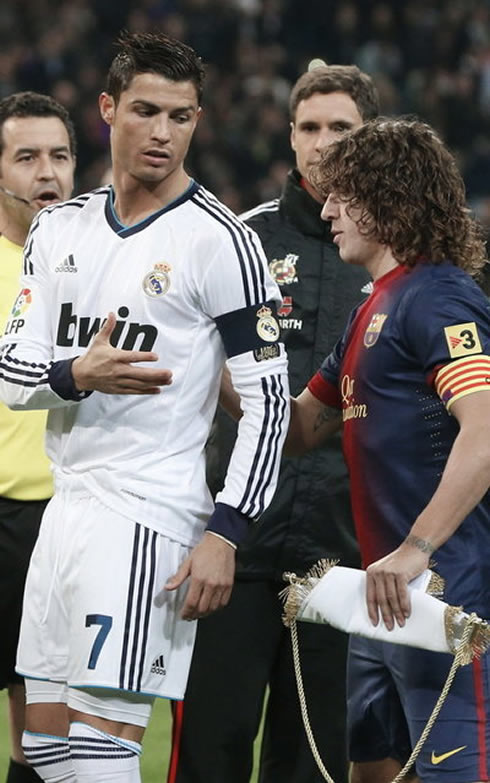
{"points": [[107, 107], [292, 136]]}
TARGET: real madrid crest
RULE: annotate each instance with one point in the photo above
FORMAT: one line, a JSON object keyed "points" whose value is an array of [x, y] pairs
{"points": [[374, 329], [157, 282], [267, 326]]}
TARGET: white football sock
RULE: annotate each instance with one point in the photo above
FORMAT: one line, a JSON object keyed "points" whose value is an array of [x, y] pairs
{"points": [[98, 757], [50, 757]]}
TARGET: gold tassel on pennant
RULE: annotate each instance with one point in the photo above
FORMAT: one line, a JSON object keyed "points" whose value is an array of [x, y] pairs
{"points": [[466, 636], [299, 588]]}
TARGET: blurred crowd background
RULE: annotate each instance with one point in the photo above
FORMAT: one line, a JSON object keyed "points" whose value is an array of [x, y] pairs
{"points": [[428, 57]]}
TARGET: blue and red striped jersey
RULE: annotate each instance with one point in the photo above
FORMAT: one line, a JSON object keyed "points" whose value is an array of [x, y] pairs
{"points": [[420, 341]]}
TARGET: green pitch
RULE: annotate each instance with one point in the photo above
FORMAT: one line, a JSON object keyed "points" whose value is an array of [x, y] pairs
{"points": [[156, 745]]}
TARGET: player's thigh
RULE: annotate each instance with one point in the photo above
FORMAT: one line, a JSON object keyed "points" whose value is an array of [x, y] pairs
{"points": [[457, 750], [125, 629], [376, 725], [121, 713], [96, 613]]}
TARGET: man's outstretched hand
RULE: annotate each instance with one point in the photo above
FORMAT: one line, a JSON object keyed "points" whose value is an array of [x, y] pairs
{"points": [[110, 370]]}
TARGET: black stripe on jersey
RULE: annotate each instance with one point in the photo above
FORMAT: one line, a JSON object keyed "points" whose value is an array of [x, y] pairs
{"points": [[7, 365], [149, 595], [14, 371], [266, 451], [137, 621], [245, 243], [244, 505], [138, 608], [79, 202], [280, 408], [248, 239], [129, 605], [238, 329]]}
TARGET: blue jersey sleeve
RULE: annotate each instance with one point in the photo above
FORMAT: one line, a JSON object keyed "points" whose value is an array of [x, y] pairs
{"points": [[445, 321]]}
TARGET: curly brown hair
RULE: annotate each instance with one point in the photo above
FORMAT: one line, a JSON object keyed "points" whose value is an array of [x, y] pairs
{"points": [[408, 187]]}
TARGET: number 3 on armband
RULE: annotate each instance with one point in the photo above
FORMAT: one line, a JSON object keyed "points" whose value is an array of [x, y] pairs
{"points": [[105, 622]]}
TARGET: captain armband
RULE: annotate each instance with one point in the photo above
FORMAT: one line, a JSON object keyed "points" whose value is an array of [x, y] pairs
{"points": [[461, 377], [251, 329]]}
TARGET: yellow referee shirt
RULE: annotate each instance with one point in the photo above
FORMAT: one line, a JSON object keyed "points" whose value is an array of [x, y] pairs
{"points": [[24, 467]]}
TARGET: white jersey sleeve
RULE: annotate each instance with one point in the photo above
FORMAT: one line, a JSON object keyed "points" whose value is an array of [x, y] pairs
{"points": [[29, 377], [240, 295]]}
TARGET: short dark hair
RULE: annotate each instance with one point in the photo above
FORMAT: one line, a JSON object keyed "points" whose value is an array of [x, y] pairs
{"points": [[337, 78], [409, 190], [35, 104], [153, 53]]}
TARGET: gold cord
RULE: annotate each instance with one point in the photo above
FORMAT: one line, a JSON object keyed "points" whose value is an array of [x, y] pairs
{"points": [[460, 659]]}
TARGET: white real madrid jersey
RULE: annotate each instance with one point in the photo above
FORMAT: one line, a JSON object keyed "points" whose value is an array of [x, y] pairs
{"points": [[190, 282]]}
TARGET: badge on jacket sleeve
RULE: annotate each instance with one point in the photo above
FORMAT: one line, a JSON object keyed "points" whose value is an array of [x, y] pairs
{"points": [[283, 270]]}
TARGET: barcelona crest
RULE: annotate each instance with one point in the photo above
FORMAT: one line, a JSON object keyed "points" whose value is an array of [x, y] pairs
{"points": [[374, 329]]}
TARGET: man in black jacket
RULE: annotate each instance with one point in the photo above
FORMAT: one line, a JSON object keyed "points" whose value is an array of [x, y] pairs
{"points": [[245, 647]]}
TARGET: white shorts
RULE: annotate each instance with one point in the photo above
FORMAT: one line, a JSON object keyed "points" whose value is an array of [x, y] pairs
{"points": [[95, 612]]}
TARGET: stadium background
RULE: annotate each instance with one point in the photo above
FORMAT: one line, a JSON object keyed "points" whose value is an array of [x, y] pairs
{"points": [[429, 57]]}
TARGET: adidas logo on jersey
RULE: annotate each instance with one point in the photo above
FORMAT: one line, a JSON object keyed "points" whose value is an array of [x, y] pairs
{"points": [[128, 335], [158, 666], [67, 265]]}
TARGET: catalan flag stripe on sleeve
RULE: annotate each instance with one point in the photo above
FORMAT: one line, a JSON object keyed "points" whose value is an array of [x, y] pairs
{"points": [[461, 377]]}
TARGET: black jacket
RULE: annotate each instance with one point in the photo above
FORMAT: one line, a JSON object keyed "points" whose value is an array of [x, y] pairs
{"points": [[310, 515]]}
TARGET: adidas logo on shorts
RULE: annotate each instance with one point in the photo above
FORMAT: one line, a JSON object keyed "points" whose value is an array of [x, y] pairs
{"points": [[158, 666]]}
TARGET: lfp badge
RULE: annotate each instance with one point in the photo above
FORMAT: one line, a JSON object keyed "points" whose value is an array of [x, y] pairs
{"points": [[374, 329], [22, 302], [157, 282], [267, 326]]}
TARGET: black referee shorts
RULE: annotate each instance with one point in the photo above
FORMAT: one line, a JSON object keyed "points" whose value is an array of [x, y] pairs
{"points": [[19, 526]]}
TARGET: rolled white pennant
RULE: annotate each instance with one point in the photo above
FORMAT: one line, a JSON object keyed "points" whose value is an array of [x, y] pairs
{"points": [[336, 595]]}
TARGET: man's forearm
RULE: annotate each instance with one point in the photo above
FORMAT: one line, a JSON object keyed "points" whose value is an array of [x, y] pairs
{"points": [[311, 423], [464, 482]]}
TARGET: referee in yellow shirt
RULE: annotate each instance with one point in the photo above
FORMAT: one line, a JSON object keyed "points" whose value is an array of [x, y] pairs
{"points": [[37, 163]]}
